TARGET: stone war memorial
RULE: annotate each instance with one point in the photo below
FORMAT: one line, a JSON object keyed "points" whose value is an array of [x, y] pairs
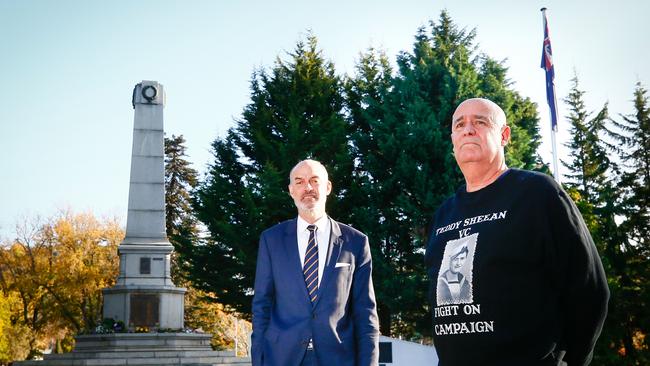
{"points": [[144, 295]]}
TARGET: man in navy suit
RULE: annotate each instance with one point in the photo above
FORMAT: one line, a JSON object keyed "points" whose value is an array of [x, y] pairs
{"points": [[314, 301]]}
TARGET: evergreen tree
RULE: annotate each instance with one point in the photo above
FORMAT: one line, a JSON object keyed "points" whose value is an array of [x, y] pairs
{"points": [[593, 192], [295, 113], [180, 179], [181, 225], [402, 146], [389, 158], [589, 161], [635, 155], [629, 319], [599, 189], [201, 309]]}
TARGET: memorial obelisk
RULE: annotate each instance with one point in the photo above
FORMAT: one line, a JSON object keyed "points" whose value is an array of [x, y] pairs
{"points": [[144, 295]]}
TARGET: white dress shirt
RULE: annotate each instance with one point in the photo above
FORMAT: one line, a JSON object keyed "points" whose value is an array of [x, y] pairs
{"points": [[322, 240]]}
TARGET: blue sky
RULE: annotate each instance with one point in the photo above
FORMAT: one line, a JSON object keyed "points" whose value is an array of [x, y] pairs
{"points": [[67, 70]]}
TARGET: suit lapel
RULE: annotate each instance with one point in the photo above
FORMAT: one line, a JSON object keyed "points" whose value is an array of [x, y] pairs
{"points": [[333, 251], [293, 257]]}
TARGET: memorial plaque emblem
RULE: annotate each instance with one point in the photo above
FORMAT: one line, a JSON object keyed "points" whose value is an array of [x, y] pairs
{"points": [[145, 310]]}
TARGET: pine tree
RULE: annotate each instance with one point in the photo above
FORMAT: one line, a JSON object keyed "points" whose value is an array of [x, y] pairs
{"points": [[628, 321], [635, 155], [180, 179], [181, 225], [599, 189], [589, 159], [295, 113]]}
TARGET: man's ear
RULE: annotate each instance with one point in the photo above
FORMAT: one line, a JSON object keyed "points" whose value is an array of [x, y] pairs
{"points": [[329, 187], [505, 135]]}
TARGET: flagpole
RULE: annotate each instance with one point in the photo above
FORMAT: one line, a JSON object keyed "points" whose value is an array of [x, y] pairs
{"points": [[556, 166], [556, 171]]}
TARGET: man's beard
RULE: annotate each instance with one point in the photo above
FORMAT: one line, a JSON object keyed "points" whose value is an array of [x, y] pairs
{"points": [[312, 207]]}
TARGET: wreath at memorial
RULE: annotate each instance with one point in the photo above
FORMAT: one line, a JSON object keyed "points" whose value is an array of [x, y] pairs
{"points": [[108, 326]]}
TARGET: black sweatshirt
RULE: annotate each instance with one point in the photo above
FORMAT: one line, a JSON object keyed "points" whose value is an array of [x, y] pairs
{"points": [[515, 276]]}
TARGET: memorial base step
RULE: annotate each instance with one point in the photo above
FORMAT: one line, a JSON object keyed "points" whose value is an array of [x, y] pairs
{"points": [[142, 349]]}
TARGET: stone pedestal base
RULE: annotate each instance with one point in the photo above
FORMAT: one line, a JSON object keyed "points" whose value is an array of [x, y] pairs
{"points": [[165, 308], [142, 349]]}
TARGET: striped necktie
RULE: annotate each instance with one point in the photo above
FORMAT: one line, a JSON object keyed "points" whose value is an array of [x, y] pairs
{"points": [[310, 269]]}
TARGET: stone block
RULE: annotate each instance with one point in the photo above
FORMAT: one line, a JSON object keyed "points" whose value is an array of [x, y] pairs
{"points": [[147, 169], [147, 143], [147, 197], [142, 223]]}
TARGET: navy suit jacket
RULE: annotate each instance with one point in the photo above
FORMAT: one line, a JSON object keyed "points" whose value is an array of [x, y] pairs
{"points": [[342, 322]]}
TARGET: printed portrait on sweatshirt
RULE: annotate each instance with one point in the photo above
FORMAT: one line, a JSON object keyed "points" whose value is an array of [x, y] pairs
{"points": [[455, 277]]}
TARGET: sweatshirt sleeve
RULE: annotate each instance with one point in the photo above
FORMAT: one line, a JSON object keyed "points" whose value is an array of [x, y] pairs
{"points": [[584, 293]]}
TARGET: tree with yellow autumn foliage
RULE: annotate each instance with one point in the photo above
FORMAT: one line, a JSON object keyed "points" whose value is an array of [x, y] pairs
{"points": [[4, 327], [52, 273]]}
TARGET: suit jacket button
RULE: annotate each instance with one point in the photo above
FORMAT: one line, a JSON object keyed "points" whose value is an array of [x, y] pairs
{"points": [[313, 316]]}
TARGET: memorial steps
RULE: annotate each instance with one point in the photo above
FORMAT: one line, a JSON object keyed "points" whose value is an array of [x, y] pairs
{"points": [[142, 349]]}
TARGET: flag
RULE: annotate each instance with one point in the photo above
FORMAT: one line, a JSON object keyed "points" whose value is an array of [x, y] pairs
{"points": [[547, 65]]}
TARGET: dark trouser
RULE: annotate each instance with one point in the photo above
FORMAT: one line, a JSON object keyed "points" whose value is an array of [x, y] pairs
{"points": [[309, 359]]}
